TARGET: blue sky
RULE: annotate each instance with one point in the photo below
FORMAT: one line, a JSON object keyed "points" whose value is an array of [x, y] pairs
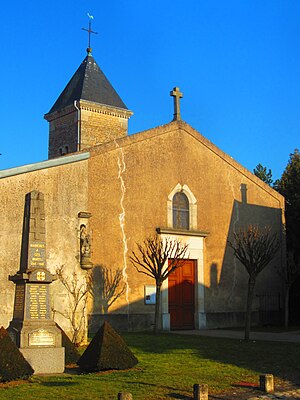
{"points": [[236, 61]]}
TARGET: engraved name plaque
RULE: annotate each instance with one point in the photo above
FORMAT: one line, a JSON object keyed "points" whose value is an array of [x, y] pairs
{"points": [[38, 306], [19, 301], [41, 337], [37, 255]]}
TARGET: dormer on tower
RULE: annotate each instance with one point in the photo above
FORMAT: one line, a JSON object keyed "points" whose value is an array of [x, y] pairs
{"points": [[87, 113]]}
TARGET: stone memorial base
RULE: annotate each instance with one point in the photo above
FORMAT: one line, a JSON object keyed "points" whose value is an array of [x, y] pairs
{"points": [[49, 360], [40, 342], [35, 333]]}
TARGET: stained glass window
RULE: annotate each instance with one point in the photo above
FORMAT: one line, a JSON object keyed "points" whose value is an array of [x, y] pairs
{"points": [[180, 207]]}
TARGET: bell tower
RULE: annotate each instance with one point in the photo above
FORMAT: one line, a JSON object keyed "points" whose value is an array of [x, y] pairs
{"points": [[87, 113]]}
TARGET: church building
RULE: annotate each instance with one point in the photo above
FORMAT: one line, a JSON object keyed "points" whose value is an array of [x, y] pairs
{"points": [[105, 191]]}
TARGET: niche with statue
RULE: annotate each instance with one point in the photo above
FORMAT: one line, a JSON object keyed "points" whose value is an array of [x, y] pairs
{"points": [[85, 241]]}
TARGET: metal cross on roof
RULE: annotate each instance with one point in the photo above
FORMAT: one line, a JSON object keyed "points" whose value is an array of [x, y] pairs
{"points": [[89, 30], [177, 96]]}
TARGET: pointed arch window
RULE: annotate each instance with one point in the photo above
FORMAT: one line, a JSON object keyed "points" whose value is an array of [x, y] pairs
{"points": [[181, 211]]}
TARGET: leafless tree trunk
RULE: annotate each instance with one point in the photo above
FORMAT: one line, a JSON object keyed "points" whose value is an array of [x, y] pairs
{"points": [[151, 259], [250, 296], [157, 322], [254, 247]]}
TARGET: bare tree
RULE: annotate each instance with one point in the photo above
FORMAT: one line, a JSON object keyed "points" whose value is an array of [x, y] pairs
{"points": [[254, 247], [110, 286], [151, 259], [289, 275], [77, 288]]}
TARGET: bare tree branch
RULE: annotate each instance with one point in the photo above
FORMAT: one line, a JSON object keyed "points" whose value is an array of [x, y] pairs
{"points": [[254, 247], [77, 288], [151, 258]]}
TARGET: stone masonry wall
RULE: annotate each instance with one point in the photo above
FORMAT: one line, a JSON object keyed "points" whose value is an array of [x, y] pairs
{"points": [[97, 125], [152, 163], [63, 135], [125, 186], [65, 194], [98, 128]]}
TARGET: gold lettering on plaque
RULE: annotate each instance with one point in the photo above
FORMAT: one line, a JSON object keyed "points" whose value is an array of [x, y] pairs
{"points": [[38, 245], [37, 255], [41, 337], [38, 308]]}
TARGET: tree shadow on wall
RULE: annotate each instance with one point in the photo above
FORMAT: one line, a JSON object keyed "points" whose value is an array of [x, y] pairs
{"points": [[107, 287]]}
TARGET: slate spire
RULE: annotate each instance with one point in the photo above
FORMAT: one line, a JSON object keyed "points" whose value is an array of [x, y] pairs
{"points": [[87, 113], [88, 83]]}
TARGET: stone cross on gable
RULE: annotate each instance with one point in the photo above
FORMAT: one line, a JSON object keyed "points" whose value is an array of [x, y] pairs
{"points": [[177, 95]]}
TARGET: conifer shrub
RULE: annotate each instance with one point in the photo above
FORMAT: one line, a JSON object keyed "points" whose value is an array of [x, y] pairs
{"points": [[107, 351], [13, 365], [71, 353]]}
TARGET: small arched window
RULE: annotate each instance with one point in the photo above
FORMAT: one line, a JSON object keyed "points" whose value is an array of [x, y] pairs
{"points": [[181, 214]]}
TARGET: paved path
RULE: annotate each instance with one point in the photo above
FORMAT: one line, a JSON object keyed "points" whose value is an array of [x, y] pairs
{"points": [[288, 395], [293, 337]]}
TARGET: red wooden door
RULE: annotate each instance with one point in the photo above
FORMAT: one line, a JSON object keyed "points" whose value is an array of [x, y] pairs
{"points": [[182, 296]]}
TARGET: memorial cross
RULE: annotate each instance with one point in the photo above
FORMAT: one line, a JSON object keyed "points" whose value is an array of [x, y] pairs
{"points": [[32, 328]]}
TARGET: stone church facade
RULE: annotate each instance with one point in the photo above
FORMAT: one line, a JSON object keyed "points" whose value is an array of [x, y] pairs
{"points": [[121, 188]]}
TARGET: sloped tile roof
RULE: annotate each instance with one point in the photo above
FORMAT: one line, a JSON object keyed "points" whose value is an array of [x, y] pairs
{"points": [[88, 83]]}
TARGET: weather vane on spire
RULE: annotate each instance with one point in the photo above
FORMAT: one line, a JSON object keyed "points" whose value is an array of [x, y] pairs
{"points": [[89, 30]]}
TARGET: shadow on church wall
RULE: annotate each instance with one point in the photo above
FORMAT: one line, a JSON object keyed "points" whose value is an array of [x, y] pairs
{"points": [[232, 285], [123, 318], [228, 282]]}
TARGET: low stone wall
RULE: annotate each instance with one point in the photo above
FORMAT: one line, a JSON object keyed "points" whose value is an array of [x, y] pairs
{"points": [[142, 322], [228, 319], [121, 322]]}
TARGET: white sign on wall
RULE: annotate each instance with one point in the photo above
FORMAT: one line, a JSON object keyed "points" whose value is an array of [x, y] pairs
{"points": [[150, 294]]}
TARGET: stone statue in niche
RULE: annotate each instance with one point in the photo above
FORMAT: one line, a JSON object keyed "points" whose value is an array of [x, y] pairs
{"points": [[85, 248], [85, 245]]}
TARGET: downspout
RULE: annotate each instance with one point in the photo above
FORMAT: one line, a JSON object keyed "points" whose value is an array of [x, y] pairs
{"points": [[78, 126]]}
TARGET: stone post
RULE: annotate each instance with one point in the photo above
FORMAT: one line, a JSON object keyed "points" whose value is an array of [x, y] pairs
{"points": [[200, 392], [124, 396], [266, 383]]}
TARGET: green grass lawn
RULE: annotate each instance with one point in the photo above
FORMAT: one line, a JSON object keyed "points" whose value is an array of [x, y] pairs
{"points": [[168, 367]]}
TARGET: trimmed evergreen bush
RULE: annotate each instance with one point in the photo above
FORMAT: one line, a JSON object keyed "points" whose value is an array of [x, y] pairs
{"points": [[107, 351], [71, 353], [13, 365]]}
